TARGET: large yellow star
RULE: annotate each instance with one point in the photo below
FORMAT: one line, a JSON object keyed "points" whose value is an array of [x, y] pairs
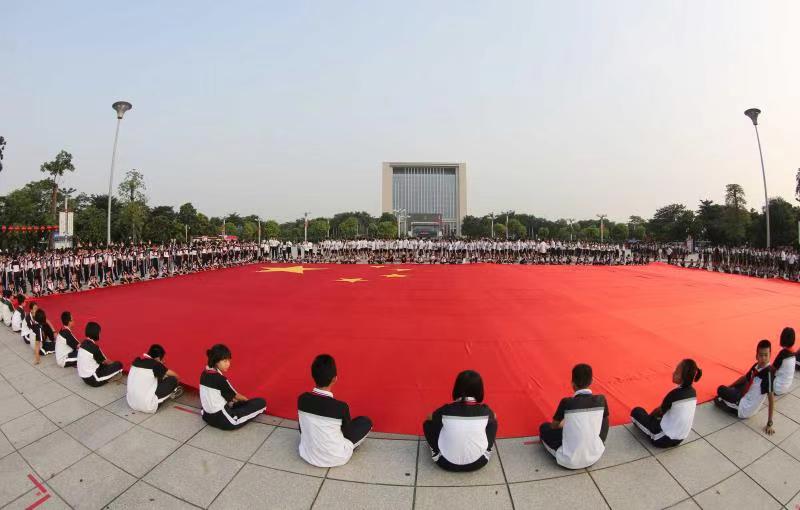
{"points": [[394, 275], [291, 269], [351, 280]]}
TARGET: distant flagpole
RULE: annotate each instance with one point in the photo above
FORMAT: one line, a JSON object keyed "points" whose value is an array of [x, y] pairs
{"points": [[305, 227]]}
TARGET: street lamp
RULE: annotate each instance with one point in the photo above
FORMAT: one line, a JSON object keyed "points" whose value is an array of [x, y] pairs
{"points": [[120, 107], [753, 114], [602, 217], [507, 213], [305, 227], [571, 221], [492, 216], [399, 213]]}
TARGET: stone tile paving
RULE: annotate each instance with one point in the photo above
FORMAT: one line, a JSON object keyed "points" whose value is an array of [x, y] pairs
{"points": [[65, 445]]}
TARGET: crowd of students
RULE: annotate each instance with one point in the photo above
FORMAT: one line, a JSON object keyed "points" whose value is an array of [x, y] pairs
{"points": [[783, 263], [461, 433], [58, 271]]}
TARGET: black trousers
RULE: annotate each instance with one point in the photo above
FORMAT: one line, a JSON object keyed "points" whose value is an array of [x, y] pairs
{"points": [[731, 395], [432, 437], [238, 414], [103, 374], [651, 425], [357, 429], [552, 437], [166, 387], [72, 359]]}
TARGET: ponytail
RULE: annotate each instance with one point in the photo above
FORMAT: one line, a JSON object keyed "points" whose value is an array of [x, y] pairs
{"points": [[690, 372]]}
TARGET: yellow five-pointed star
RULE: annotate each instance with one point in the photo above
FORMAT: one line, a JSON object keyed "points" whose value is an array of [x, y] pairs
{"points": [[394, 275], [291, 269], [351, 280]]}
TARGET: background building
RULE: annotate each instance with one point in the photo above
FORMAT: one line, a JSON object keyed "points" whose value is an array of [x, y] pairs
{"points": [[433, 195]]}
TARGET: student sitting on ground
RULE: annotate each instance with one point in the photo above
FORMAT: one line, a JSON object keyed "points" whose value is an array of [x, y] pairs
{"points": [[223, 407], [150, 382], [27, 326], [577, 435], [328, 435], [785, 363], [66, 344], [461, 434], [44, 339], [93, 366], [18, 318], [671, 422], [6, 307], [745, 396]]}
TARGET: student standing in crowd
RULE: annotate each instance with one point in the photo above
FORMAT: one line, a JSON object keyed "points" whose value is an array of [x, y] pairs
{"points": [[461, 434], [745, 396], [785, 363], [670, 423], [66, 344], [328, 435], [93, 366], [223, 407], [577, 435], [150, 382]]}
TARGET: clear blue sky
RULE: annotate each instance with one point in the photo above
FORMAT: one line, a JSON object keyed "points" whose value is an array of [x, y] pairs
{"points": [[561, 108]]}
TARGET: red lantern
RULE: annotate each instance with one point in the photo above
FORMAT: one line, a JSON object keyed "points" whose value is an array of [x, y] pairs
{"points": [[4, 228]]}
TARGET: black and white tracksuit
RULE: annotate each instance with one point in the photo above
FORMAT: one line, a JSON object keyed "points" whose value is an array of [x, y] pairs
{"points": [[219, 410], [148, 384], [91, 366], [672, 422], [785, 364], [580, 442], [461, 435], [327, 433], [66, 348]]}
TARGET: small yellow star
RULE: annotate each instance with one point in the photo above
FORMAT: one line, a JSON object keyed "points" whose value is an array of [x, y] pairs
{"points": [[402, 270], [394, 275], [377, 267], [351, 280], [291, 269]]}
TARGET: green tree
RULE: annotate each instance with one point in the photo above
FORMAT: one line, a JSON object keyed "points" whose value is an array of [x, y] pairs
{"points": [[671, 223], [783, 224], [134, 202], [317, 230], [271, 229], [544, 233], [591, 234], [516, 229], [57, 168], [619, 232], [499, 231], [387, 229], [348, 228], [90, 225]]}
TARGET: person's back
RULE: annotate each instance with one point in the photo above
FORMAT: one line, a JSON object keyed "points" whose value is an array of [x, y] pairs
{"points": [[150, 382], [785, 363], [66, 344], [18, 317], [321, 418], [576, 437], [328, 435]]}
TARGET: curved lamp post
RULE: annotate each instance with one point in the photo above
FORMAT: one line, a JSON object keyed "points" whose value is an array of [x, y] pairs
{"points": [[120, 107], [753, 114]]}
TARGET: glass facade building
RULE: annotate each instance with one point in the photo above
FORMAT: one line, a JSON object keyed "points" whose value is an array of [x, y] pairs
{"points": [[427, 189]]}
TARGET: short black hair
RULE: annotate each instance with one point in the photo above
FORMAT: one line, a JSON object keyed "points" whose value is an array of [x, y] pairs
{"points": [[40, 316], [6, 293], [66, 317], [787, 337], [31, 304], [469, 383], [93, 331], [763, 344], [217, 353], [156, 351], [582, 376], [20, 299], [323, 370]]}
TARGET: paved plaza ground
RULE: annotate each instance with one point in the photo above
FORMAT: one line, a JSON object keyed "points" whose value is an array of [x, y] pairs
{"points": [[64, 444]]}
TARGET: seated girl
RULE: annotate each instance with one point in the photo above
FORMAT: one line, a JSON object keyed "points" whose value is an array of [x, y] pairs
{"points": [[223, 407], [671, 422], [461, 434]]}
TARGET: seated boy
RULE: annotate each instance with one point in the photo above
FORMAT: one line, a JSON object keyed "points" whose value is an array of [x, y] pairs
{"points": [[93, 367], [576, 437], [785, 363], [6, 307], [18, 318], [327, 434], [66, 343], [745, 396], [150, 382]]}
